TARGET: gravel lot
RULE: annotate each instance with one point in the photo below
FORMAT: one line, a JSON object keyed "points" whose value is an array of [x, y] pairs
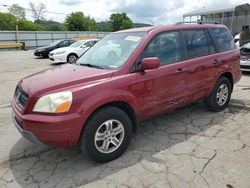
{"points": [[190, 147]]}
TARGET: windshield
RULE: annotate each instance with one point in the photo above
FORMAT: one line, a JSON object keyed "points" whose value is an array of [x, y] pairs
{"points": [[76, 44], [112, 51], [55, 43]]}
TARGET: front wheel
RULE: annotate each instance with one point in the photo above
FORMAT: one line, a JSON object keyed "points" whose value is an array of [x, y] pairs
{"points": [[107, 134], [72, 58], [220, 96]]}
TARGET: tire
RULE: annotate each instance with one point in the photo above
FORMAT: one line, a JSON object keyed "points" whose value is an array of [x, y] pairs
{"points": [[100, 122], [72, 58], [219, 98]]}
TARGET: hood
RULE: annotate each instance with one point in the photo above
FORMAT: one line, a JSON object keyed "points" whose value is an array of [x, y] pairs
{"points": [[61, 77], [44, 47], [63, 49]]}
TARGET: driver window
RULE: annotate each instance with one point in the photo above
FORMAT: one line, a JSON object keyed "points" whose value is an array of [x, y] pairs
{"points": [[87, 44], [64, 43], [165, 46]]}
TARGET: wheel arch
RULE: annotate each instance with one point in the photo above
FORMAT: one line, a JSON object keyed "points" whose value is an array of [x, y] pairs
{"points": [[229, 76], [72, 53], [123, 105]]}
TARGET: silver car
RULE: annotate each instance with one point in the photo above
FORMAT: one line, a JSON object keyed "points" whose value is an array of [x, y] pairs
{"points": [[245, 57]]}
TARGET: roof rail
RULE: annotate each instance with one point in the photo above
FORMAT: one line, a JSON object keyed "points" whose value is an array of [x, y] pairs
{"points": [[197, 22]]}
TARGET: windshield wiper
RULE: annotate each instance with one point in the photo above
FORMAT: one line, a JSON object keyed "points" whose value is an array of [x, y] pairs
{"points": [[91, 65]]}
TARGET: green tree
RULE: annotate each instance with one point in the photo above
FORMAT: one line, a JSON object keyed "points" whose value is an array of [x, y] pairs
{"points": [[30, 26], [91, 24], [7, 21], [18, 12], [120, 21], [76, 21], [50, 25]]}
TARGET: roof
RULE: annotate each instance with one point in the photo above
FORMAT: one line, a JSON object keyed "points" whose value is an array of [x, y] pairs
{"points": [[245, 8], [140, 29], [171, 27]]}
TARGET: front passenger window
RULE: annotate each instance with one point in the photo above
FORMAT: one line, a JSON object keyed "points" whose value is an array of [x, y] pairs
{"points": [[165, 46]]}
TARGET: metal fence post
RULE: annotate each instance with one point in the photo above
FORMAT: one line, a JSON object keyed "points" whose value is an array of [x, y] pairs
{"points": [[52, 37], [36, 39]]}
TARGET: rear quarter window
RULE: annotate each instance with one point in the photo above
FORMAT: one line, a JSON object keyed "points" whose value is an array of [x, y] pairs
{"points": [[223, 39]]}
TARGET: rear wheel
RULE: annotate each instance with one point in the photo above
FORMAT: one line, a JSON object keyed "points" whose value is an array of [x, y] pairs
{"points": [[72, 58], [107, 134], [220, 96]]}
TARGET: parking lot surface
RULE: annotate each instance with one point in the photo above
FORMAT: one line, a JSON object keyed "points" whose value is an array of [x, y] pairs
{"points": [[190, 147]]}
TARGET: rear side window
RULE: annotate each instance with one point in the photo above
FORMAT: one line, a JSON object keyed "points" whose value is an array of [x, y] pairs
{"points": [[165, 46], [195, 43], [223, 39]]}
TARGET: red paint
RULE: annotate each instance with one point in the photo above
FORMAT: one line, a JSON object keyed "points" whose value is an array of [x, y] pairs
{"points": [[150, 63], [148, 92]]}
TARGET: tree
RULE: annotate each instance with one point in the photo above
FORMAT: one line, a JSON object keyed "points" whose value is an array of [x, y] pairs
{"points": [[76, 21], [38, 11], [120, 21], [7, 21], [91, 24], [18, 12], [27, 25], [50, 25]]}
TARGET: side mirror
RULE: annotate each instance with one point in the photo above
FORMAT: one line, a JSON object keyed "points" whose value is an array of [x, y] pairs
{"points": [[150, 63], [83, 46]]}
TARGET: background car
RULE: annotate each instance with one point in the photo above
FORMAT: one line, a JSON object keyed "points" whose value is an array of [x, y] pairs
{"points": [[245, 57], [44, 51], [237, 40], [71, 53]]}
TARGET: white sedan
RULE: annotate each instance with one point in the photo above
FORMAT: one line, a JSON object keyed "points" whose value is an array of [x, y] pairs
{"points": [[71, 53]]}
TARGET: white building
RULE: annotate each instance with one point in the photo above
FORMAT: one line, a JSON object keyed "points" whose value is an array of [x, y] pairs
{"points": [[234, 17]]}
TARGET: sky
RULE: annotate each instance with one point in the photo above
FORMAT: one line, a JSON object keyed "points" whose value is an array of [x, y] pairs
{"points": [[155, 12]]}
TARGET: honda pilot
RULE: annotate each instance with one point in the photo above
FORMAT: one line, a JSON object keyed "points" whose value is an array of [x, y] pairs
{"points": [[127, 77]]}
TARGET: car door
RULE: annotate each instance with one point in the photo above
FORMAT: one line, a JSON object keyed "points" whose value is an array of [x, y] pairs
{"points": [[163, 88], [199, 58]]}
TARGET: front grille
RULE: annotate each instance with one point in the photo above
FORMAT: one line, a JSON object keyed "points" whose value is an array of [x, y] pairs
{"points": [[245, 66], [21, 98]]}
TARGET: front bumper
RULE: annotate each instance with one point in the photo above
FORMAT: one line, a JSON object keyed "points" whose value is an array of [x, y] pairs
{"points": [[40, 53], [26, 134], [54, 130], [59, 58], [51, 57], [245, 65]]}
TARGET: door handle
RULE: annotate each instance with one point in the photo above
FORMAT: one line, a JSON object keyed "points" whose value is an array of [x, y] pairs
{"points": [[215, 62], [180, 70]]}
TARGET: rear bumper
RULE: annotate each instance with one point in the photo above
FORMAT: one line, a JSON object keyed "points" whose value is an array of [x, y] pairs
{"points": [[54, 130]]}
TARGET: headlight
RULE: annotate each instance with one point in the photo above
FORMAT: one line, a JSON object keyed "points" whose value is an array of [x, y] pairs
{"points": [[59, 53], [54, 103]]}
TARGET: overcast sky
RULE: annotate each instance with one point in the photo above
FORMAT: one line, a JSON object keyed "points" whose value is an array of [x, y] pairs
{"points": [[157, 12]]}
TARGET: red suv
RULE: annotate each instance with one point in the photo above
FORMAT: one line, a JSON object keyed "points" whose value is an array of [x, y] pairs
{"points": [[126, 77]]}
